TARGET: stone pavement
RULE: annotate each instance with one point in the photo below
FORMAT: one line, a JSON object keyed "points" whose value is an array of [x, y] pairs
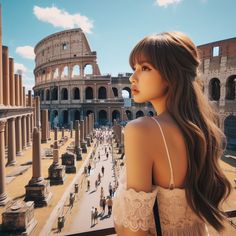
{"points": [[80, 221]]}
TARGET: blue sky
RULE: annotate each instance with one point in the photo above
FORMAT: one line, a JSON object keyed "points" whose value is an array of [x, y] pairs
{"points": [[112, 27]]}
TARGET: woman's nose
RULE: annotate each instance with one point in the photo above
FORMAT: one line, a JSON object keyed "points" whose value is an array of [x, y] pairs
{"points": [[131, 78]]}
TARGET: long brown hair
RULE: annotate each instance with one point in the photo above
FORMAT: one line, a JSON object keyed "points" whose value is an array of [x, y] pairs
{"points": [[175, 56]]}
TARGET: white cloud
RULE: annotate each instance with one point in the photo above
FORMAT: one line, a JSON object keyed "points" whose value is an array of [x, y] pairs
{"points": [[61, 18], [165, 3], [19, 68], [26, 52]]}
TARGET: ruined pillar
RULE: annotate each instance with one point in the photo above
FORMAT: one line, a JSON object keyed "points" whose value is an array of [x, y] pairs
{"points": [[82, 142], [17, 90], [20, 90], [6, 135], [55, 133], [30, 98], [77, 141], [87, 131], [5, 76], [12, 81], [24, 98], [18, 137], [37, 112], [62, 132], [3, 195], [11, 142], [23, 124], [37, 189], [44, 126], [28, 131]]}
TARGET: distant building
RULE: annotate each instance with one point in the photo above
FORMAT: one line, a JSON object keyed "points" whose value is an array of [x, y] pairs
{"points": [[70, 85], [218, 68]]}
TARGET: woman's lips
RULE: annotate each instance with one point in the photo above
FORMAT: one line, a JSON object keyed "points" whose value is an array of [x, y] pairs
{"points": [[134, 91]]}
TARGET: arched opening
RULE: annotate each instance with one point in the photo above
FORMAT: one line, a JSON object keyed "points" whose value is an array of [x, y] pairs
{"points": [[64, 94], [54, 94], [230, 88], [230, 132], [150, 113], [88, 112], [129, 114], [56, 74], [75, 71], [126, 92], [116, 116], [64, 118], [102, 117], [65, 72], [47, 95], [115, 91], [55, 119], [89, 93], [76, 93], [139, 114], [77, 115], [88, 69], [214, 89], [102, 93], [42, 95]]}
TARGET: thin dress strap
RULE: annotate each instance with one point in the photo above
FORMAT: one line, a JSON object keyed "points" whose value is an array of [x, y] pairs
{"points": [[171, 185]]}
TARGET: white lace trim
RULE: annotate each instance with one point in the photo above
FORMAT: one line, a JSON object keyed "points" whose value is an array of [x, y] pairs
{"points": [[133, 209]]}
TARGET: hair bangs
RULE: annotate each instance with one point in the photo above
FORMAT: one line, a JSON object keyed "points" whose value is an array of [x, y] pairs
{"points": [[144, 51]]}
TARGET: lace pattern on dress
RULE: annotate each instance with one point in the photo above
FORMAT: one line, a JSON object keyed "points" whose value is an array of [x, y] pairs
{"points": [[134, 210]]}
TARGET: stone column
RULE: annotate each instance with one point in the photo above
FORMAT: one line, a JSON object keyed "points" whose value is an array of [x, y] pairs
{"points": [[37, 189], [31, 125], [56, 133], [23, 94], [77, 141], [62, 132], [82, 142], [6, 135], [87, 131], [49, 131], [17, 90], [44, 126], [3, 195], [37, 112], [23, 123], [11, 142], [1, 82], [12, 81], [18, 137], [28, 131], [71, 129], [30, 98], [20, 90], [5, 76]]}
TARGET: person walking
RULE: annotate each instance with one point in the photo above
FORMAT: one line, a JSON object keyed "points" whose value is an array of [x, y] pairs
{"points": [[102, 193], [102, 169], [88, 185], [95, 216], [96, 184], [89, 168], [109, 205], [110, 189], [92, 216]]}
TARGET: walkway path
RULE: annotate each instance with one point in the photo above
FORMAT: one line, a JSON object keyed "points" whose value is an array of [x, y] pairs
{"points": [[81, 221]]}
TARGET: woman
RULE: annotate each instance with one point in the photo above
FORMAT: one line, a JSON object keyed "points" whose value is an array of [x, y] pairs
{"points": [[173, 156]]}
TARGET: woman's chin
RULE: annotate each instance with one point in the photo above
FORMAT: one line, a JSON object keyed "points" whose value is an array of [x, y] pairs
{"points": [[138, 100]]}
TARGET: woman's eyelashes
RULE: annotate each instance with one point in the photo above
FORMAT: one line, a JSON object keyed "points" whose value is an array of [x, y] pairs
{"points": [[145, 68]]}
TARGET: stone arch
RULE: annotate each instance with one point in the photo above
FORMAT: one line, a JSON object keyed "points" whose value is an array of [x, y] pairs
{"points": [[102, 117], [56, 74], [54, 118], [214, 89], [230, 88], [76, 115], [139, 113], [88, 69], [89, 93], [129, 114], [75, 71], [76, 93], [47, 95], [102, 93], [230, 132], [54, 94], [65, 72], [64, 94], [128, 90], [115, 115], [65, 117]]}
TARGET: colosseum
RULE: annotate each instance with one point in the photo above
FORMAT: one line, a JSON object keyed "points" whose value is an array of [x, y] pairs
{"points": [[70, 85]]}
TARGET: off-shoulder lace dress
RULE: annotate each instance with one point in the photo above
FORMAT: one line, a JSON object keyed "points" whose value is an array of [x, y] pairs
{"points": [[134, 210]]}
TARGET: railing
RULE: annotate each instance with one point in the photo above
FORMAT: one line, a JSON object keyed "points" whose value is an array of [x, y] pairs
{"points": [[101, 232]]}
